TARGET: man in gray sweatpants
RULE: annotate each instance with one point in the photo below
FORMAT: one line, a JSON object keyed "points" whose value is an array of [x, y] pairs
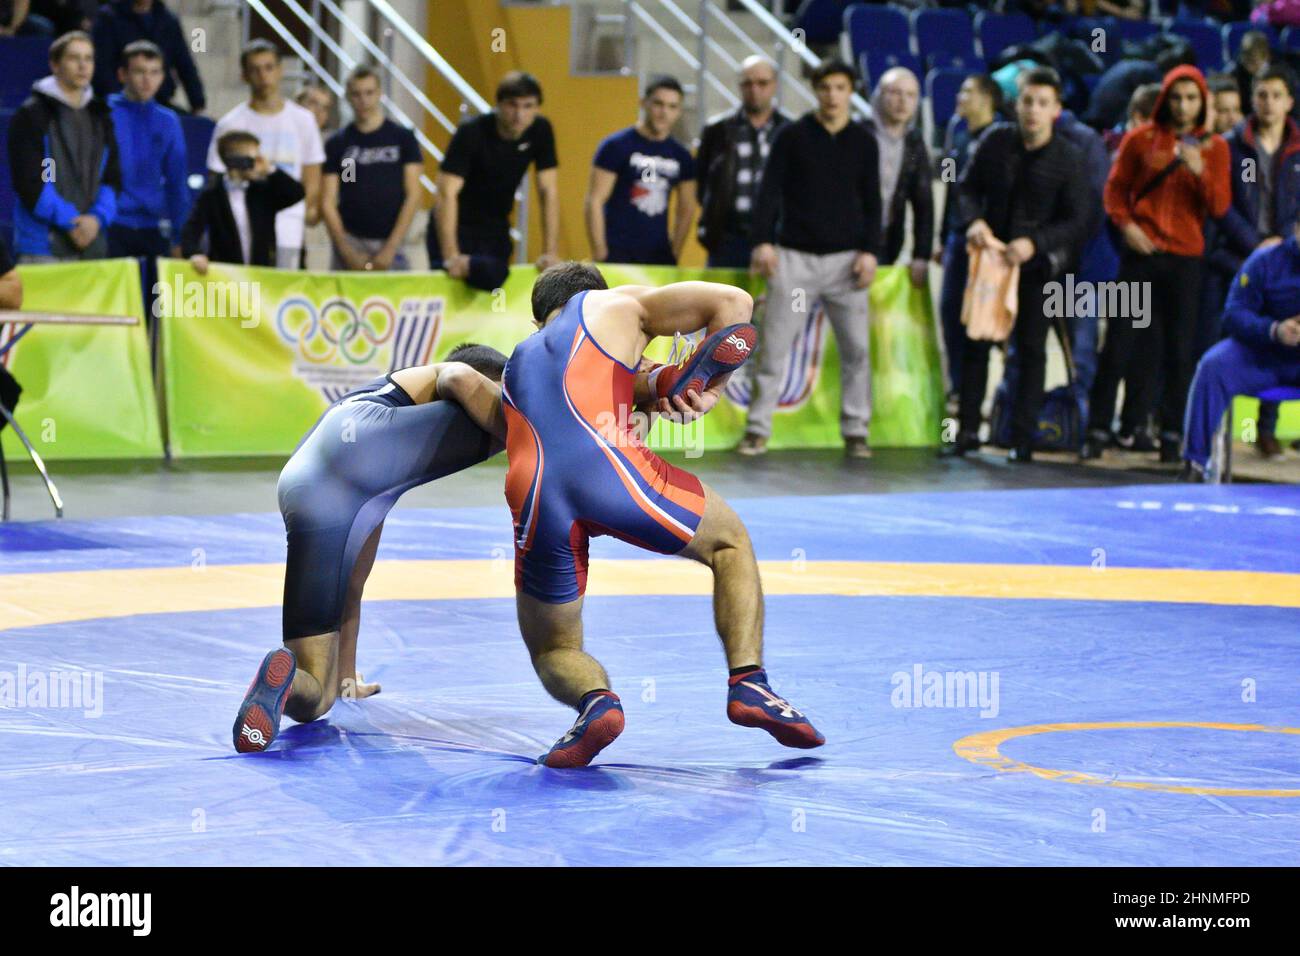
{"points": [[817, 232]]}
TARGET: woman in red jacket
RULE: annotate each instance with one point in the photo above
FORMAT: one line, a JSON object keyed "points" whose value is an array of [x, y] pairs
{"points": [[1170, 173]]}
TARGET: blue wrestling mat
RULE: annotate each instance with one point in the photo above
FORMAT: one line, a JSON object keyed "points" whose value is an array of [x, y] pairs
{"points": [[1104, 676]]}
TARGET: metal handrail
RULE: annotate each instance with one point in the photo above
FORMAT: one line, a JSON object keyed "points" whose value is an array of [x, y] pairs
{"points": [[789, 41], [671, 42], [320, 35], [471, 100], [720, 15]]}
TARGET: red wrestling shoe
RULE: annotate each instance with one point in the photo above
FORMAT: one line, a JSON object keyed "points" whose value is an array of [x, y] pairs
{"points": [[259, 716]]}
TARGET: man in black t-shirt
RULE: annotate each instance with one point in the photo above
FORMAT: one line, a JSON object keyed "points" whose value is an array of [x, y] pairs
{"points": [[371, 187], [469, 231], [11, 297]]}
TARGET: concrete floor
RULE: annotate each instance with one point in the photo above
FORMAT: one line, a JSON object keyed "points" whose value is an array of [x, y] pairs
{"points": [[107, 489]]}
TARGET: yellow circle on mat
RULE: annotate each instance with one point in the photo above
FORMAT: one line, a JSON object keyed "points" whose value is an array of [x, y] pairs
{"points": [[983, 749]]}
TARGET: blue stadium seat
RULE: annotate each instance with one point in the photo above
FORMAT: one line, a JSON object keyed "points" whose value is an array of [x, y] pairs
{"points": [[941, 88], [1233, 32], [1290, 39], [820, 20], [25, 60], [1205, 39], [951, 61], [1133, 30], [871, 27], [878, 61], [997, 31], [940, 30]]}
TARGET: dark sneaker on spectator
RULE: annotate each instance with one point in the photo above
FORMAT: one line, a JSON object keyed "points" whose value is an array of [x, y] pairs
{"points": [[752, 445], [1171, 448], [1095, 444], [1140, 439], [1021, 454], [1268, 446], [966, 441], [856, 448], [1192, 473]]}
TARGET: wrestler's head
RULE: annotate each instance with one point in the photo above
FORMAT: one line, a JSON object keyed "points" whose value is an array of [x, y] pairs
{"points": [[560, 283], [483, 359]]}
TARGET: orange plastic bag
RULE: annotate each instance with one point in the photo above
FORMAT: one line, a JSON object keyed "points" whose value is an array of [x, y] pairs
{"points": [[988, 308]]}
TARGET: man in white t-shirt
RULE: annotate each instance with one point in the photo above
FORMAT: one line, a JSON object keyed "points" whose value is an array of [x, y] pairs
{"points": [[289, 138]]}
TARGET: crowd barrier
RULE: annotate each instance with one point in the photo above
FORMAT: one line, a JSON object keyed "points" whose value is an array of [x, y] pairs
{"points": [[249, 357]]}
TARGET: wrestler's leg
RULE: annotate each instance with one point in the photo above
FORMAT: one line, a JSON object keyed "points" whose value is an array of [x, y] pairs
{"points": [[722, 544], [351, 684], [553, 635]]}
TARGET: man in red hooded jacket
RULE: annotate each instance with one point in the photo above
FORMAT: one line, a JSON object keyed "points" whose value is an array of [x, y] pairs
{"points": [[1170, 173]]}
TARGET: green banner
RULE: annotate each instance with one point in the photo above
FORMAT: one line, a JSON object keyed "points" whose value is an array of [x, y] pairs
{"points": [[253, 356], [87, 389]]}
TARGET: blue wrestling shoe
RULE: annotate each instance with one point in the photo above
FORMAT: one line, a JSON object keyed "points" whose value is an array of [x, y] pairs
{"points": [[752, 703], [259, 716], [720, 353], [600, 721]]}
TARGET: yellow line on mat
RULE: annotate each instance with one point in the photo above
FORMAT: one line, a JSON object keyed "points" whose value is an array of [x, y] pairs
{"points": [[27, 600]]}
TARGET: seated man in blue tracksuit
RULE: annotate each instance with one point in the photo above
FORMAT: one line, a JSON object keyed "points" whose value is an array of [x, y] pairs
{"points": [[1262, 350], [1265, 194]]}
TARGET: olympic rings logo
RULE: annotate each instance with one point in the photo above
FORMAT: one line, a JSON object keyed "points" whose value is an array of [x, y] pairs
{"points": [[336, 329]]}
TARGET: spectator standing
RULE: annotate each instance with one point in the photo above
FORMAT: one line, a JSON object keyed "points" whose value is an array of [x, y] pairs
{"points": [[66, 15], [319, 101], [817, 229], [729, 162], [151, 150], [236, 216], [17, 20], [633, 177], [1253, 57], [1225, 100], [1265, 164], [469, 230], [1262, 351], [978, 102], [372, 187], [905, 178], [1169, 175], [65, 129], [1022, 197], [121, 23], [289, 139]]}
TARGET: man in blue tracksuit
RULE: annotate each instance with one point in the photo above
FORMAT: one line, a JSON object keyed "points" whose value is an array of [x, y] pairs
{"points": [[151, 148], [1262, 319], [1265, 196], [63, 161]]}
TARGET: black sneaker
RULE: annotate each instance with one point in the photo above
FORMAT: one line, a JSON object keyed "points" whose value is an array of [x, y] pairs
{"points": [[1095, 444], [1021, 454], [1140, 439], [1192, 474], [1171, 448], [966, 441]]}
